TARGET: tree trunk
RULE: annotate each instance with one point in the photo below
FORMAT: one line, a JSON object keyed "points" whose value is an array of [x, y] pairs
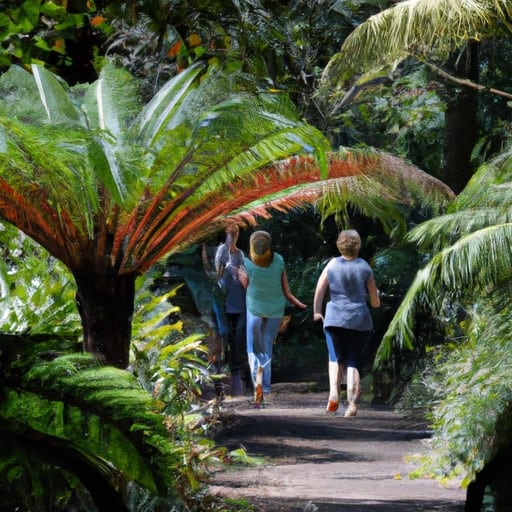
{"points": [[495, 475], [461, 129], [105, 303]]}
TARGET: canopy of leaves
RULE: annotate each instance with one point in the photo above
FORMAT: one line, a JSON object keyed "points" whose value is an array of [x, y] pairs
{"points": [[423, 29], [94, 183]]}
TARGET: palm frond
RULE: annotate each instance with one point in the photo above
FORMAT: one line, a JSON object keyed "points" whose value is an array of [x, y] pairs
{"points": [[381, 178], [159, 115], [374, 182], [112, 102], [414, 28], [495, 174], [439, 232], [476, 262], [96, 410]]}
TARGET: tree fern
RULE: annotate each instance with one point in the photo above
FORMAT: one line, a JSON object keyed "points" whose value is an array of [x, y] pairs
{"points": [[418, 28], [110, 192], [469, 249]]}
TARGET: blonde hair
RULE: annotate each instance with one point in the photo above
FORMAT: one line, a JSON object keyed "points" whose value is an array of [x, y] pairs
{"points": [[260, 250], [349, 243]]}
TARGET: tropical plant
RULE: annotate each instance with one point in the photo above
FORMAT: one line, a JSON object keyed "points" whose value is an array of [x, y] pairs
{"points": [[109, 187], [109, 192], [466, 286], [468, 249], [423, 29], [454, 42]]}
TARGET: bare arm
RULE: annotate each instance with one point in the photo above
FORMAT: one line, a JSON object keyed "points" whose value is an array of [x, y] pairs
{"points": [[206, 263], [288, 294], [373, 293], [320, 291], [243, 277]]}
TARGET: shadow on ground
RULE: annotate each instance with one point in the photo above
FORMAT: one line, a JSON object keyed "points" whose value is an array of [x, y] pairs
{"points": [[318, 462]]}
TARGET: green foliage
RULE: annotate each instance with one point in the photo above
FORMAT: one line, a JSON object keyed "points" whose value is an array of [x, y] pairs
{"points": [[34, 31], [173, 368], [96, 152], [168, 364], [425, 29], [405, 118], [468, 246], [94, 415], [37, 291], [142, 431], [109, 188], [144, 434], [472, 394]]}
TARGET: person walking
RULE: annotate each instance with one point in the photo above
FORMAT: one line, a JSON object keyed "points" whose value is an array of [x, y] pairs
{"points": [[228, 260], [348, 322], [267, 289]]}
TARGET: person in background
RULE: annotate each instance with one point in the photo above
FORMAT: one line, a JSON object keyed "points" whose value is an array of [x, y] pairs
{"points": [[215, 317], [267, 288], [347, 323], [228, 260]]}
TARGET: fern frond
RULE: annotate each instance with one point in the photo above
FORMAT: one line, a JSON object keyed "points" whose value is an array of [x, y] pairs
{"points": [[413, 28], [476, 262], [95, 409]]}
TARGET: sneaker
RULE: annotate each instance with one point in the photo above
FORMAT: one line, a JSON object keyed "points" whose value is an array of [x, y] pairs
{"points": [[351, 410], [332, 406]]}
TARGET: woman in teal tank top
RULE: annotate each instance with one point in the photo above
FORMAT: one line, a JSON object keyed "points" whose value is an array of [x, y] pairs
{"points": [[267, 289]]}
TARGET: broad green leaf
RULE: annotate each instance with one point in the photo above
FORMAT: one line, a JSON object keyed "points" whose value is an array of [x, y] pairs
{"points": [[54, 96], [157, 114]]}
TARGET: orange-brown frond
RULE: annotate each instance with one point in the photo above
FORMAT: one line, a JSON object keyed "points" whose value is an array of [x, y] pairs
{"points": [[287, 184], [36, 221]]}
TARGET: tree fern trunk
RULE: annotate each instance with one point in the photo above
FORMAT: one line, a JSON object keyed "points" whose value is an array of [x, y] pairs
{"points": [[105, 303], [461, 131]]}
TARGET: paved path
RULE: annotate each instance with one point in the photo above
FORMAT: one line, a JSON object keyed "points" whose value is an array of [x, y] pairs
{"points": [[327, 463]]}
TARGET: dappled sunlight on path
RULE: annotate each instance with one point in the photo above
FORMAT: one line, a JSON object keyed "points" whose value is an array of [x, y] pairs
{"points": [[315, 461]]}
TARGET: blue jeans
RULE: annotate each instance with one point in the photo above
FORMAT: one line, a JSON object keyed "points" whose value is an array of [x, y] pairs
{"points": [[261, 333]]}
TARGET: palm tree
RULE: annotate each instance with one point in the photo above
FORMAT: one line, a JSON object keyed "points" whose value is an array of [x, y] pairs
{"points": [[109, 187], [422, 29], [470, 266], [469, 248], [441, 34]]}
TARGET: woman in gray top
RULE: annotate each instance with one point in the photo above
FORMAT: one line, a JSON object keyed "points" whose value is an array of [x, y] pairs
{"points": [[347, 322], [228, 260]]}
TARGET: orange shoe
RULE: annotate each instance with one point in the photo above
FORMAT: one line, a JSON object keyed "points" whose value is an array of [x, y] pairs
{"points": [[332, 406], [258, 394]]}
